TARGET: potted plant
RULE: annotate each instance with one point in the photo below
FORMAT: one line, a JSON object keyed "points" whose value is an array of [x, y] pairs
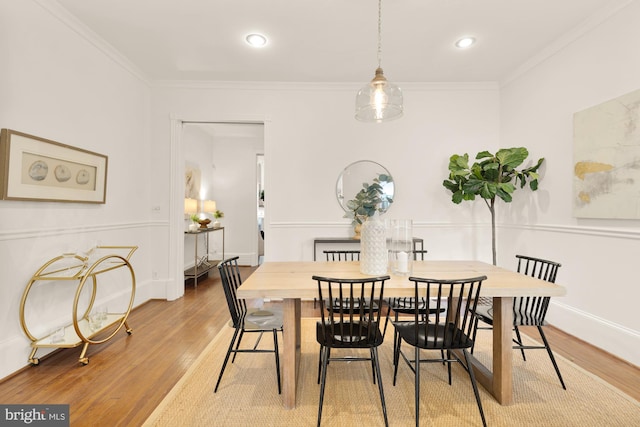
{"points": [[217, 215], [493, 175], [193, 225], [369, 200]]}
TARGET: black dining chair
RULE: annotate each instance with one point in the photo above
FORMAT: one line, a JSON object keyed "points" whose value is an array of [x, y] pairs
{"points": [[406, 305], [244, 320], [352, 323], [451, 333], [528, 311], [339, 255]]}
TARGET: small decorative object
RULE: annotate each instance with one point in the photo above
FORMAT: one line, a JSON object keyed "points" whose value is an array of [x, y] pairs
{"points": [[204, 223], [217, 215], [374, 258], [400, 252], [495, 175], [193, 226]]}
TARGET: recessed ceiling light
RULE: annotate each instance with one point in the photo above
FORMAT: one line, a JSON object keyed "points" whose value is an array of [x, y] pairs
{"points": [[256, 40], [465, 42]]}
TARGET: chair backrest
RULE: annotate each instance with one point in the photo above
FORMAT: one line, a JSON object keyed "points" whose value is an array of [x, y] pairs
{"points": [[230, 276], [455, 329], [533, 310], [353, 320], [342, 255], [418, 254]]}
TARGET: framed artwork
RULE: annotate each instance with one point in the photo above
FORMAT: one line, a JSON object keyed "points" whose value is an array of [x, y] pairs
{"points": [[34, 168], [192, 180], [606, 151]]}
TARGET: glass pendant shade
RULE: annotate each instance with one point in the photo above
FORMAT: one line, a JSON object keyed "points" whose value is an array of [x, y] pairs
{"points": [[379, 100]]}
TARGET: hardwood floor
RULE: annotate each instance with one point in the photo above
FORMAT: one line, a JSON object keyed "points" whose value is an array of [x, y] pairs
{"points": [[128, 376]]}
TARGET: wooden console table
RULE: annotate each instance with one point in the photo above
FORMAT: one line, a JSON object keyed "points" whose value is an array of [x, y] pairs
{"points": [[418, 244]]}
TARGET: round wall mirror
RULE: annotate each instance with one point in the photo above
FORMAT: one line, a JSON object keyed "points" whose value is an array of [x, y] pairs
{"points": [[359, 176]]}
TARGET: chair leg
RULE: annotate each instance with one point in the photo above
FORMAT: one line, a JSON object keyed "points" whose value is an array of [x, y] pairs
{"points": [[373, 364], [325, 361], [475, 332], [226, 359], [237, 345], [319, 363], [374, 355], [467, 358], [417, 392], [275, 349], [553, 359], [519, 342], [396, 357], [448, 363]]}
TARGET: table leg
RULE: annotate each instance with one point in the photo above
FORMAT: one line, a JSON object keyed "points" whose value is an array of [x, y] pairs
{"points": [[291, 351], [502, 388], [499, 382]]}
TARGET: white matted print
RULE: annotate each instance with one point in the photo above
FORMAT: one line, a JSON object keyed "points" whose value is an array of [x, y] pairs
{"points": [[34, 168]]}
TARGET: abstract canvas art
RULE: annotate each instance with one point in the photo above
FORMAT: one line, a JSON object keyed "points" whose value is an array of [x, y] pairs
{"points": [[606, 175]]}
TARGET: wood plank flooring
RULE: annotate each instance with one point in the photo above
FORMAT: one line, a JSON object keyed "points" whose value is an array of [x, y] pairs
{"points": [[128, 376]]}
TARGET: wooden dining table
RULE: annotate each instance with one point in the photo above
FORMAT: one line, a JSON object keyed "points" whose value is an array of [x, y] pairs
{"points": [[292, 282]]}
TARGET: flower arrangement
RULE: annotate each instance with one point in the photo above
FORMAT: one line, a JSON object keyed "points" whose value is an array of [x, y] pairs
{"points": [[218, 214]]}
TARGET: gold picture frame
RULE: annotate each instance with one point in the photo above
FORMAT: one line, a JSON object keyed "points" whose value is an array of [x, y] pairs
{"points": [[34, 168]]}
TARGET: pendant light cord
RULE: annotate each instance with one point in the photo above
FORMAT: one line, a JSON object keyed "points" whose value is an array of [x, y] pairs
{"points": [[379, 33]]}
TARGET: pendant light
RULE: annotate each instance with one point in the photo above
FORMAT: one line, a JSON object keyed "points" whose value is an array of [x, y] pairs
{"points": [[380, 100]]}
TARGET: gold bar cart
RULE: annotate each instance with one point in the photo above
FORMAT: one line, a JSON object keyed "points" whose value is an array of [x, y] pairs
{"points": [[86, 327]]}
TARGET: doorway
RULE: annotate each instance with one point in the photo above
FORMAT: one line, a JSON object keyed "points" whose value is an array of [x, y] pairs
{"points": [[225, 153]]}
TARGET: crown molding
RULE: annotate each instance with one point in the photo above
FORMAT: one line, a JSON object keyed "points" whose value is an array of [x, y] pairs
{"points": [[588, 25], [68, 19]]}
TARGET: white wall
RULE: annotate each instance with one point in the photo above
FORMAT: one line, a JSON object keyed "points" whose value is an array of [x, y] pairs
{"points": [[57, 85], [311, 135], [234, 187], [598, 256]]}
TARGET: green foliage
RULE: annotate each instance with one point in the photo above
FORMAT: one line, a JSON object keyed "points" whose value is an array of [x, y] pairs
{"points": [[218, 214], [491, 175], [369, 200]]}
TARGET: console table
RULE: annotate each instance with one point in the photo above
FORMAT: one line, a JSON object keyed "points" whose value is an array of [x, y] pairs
{"points": [[202, 264], [418, 244]]}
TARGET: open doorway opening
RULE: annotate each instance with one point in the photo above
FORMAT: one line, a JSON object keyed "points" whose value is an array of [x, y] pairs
{"points": [[224, 155]]}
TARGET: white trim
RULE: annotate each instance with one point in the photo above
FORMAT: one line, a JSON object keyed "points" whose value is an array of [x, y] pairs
{"points": [[70, 20], [616, 339], [320, 86], [17, 234], [620, 233], [592, 22]]}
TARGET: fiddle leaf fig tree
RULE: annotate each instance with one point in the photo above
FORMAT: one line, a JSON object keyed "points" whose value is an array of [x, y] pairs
{"points": [[491, 176]]}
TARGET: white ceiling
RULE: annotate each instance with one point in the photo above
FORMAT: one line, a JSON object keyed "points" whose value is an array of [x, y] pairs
{"points": [[335, 40]]}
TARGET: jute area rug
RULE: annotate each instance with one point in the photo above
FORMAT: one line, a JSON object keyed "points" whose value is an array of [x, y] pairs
{"points": [[248, 392]]}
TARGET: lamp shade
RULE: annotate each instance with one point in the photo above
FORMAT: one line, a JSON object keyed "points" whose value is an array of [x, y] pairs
{"points": [[190, 206], [209, 206], [379, 100]]}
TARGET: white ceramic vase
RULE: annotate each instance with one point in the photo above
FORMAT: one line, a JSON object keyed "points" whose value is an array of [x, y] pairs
{"points": [[374, 258]]}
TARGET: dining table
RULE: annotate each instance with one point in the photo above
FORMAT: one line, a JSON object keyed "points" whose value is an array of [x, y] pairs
{"points": [[292, 282]]}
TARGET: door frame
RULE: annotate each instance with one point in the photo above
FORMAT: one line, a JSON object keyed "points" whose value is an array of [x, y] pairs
{"points": [[175, 285]]}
